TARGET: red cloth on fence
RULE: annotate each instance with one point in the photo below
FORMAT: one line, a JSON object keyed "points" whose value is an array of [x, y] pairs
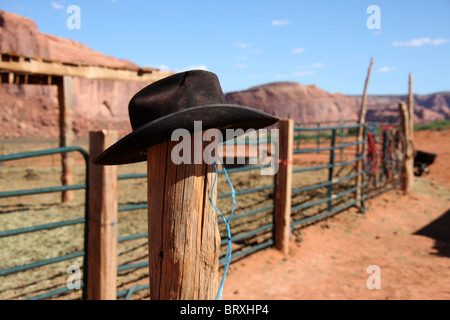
{"points": [[371, 153]]}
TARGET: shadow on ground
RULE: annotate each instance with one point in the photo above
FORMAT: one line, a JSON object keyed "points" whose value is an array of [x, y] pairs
{"points": [[439, 230]]}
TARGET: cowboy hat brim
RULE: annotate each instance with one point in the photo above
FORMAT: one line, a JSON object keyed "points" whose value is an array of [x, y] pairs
{"points": [[133, 147]]}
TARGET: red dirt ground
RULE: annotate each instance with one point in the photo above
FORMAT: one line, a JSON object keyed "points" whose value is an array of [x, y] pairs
{"points": [[331, 260]]}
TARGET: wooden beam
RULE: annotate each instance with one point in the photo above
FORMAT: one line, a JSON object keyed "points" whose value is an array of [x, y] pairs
{"points": [[66, 133], [284, 186], [103, 208], [56, 68]]}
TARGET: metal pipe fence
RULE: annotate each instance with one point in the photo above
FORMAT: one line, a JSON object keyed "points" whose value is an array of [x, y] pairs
{"points": [[331, 181], [48, 226], [336, 198]]}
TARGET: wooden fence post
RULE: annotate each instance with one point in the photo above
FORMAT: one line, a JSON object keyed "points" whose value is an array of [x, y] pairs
{"points": [[65, 133], [183, 234], [318, 137], [411, 110], [342, 138], [407, 174], [284, 186], [362, 119], [103, 208]]}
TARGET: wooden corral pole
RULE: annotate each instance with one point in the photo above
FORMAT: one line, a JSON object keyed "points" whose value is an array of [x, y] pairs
{"points": [[66, 133], [103, 207], [183, 234], [407, 124], [362, 120], [411, 110], [407, 174], [284, 185]]}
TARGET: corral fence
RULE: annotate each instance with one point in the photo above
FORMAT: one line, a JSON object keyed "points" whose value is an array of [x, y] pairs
{"points": [[316, 179], [48, 226]]}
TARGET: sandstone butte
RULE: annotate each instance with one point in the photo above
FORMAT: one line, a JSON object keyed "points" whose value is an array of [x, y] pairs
{"points": [[32, 111]]}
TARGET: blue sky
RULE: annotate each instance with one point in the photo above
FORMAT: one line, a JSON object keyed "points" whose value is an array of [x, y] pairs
{"points": [[253, 42]]}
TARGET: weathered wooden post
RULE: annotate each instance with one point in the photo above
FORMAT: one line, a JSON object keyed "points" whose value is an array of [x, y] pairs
{"points": [[362, 120], [284, 186], [65, 133], [183, 238], [102, 223], [411, 110], [407, 174], [183, 234]]}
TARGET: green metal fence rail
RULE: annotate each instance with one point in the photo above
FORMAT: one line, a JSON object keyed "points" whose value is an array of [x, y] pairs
{"points": [[127, 293], [26, 192], [331, 181], [317, 126]]}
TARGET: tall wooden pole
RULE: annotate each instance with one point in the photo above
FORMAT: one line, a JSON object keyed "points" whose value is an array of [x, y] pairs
{"points": [[183, 234], [362, 119], [407, 172], [66, 133], [411, 110], [284, 186], [102, 222]]}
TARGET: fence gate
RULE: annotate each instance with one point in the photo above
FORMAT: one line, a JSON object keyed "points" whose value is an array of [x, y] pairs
{"points": [[329, 187]]}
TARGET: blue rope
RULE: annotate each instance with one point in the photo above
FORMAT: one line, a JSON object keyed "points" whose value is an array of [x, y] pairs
{"points": [[233, 193]]}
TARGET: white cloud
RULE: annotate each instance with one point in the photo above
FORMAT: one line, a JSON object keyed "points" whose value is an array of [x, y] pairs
{"points": [[280, 23], [420, 42], [387, 69], [281, 76], [242, 45], [240, 58], [295, 74], [194, 67], [57, 6], [298, 50], [240, 66], [317, 65], [304, 73]]}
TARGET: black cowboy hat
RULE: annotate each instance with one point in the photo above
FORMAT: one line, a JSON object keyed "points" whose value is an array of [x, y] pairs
{"points": [[176, 102]]}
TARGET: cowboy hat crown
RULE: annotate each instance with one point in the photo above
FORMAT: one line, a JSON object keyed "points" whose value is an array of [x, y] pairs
{"points": [[175, 102]]}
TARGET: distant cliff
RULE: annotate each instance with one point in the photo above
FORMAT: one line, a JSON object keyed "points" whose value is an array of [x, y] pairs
{"points": [[427, 108], [311, 104], [32, 111], [299, 102]]}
